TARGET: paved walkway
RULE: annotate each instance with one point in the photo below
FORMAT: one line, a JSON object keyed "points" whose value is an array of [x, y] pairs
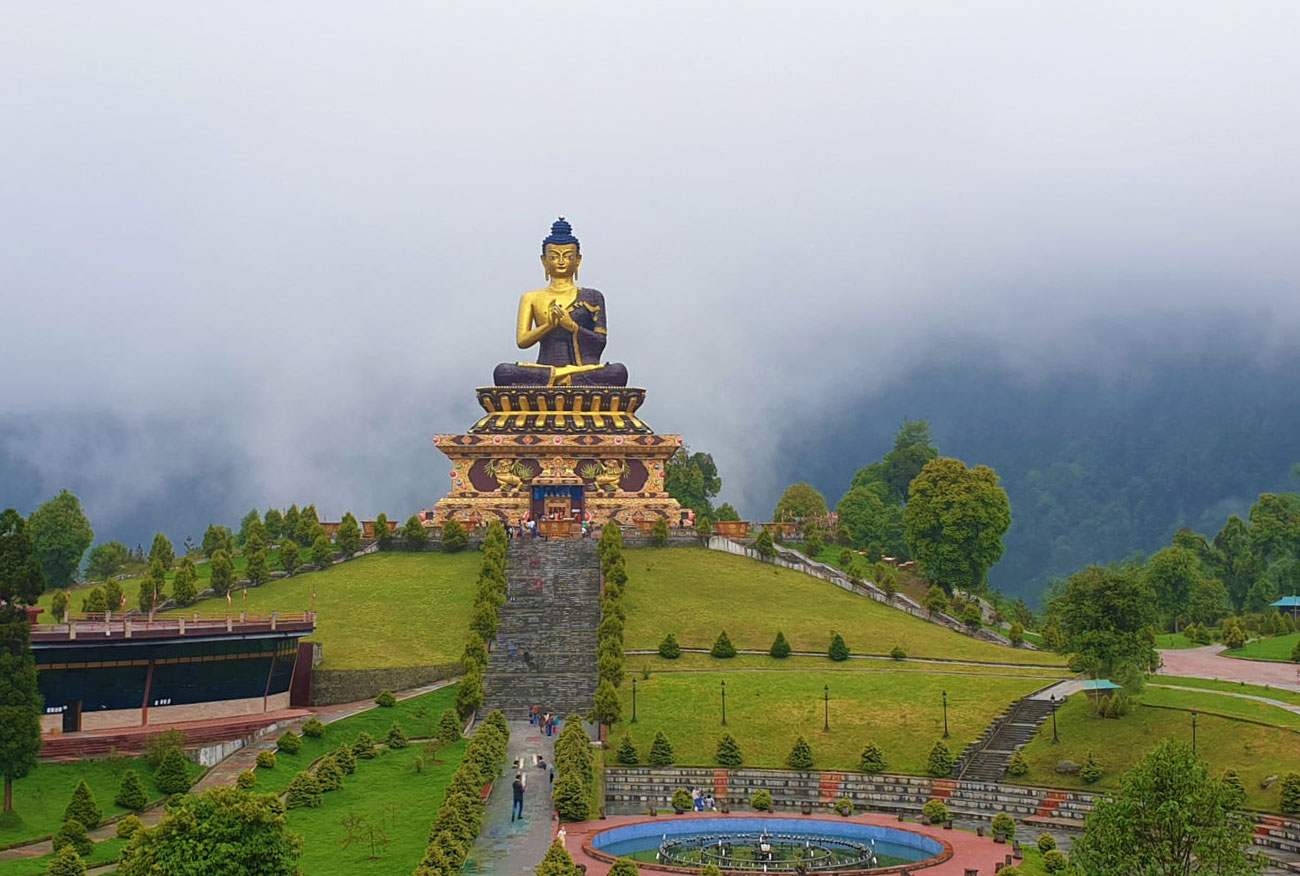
{"points": [[1207, 662], [1290, 707], [513, 848], [939, 661]]}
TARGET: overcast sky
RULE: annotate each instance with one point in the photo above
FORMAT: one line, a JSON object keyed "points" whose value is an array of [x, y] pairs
{"points": [[280, 243]]}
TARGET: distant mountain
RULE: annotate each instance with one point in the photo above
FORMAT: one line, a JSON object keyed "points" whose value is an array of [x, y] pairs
{"points": [[1096, 468]]}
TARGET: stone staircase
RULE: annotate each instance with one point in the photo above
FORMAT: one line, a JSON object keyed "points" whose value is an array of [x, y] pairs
{"points": [[986, 759], [545, 650]]}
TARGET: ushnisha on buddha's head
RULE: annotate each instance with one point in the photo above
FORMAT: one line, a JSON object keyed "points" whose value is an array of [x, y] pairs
{"points": [[561, 254]]}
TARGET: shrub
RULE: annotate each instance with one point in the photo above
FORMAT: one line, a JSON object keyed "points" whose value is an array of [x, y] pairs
{"points": [[844, 806], [1289, 799], [764, 545], [1234, 787], [813, 545], [728, 753], [940, 762], [329, 775], [172, 777], [972, 616], [669, 649], [130, 792], [898, 653], [386, 699], [624, 867], [448, 728], [570, 797], [346, 760], [659, 533], [127, 827], [364, 747], [1016, 634], [313, 728], [1054, 861], [290, 555], [246, 780], [454, 537], [72, 834], [1018, 766], [557, 862], [266, 759], [289, 742], [780, 647], [682, 799], [1091, 771], [710, 870], [303, 792], [322, 552], [838, 651], [873, 760], [1004, 824], [469, 693], [722, 647], [157, 745], [661, 750], [1046, 842], [935, 811], [800, 756], [396, 738], [627, 753], [1295, 652], [67, 863], [762, 799]]}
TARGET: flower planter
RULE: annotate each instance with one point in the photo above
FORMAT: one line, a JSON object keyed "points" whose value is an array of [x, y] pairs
{"points": [[806, 808], [731, 528]]}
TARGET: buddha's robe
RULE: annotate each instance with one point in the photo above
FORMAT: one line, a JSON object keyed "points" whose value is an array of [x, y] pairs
{"points": [[563, 349]]}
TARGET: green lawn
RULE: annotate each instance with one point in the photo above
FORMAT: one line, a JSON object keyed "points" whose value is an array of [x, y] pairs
{"points": [[1273, 648], [387, 793], [697, 593], [1253, 751], [131, 586], [1210, 702], [1255, 690], [42, 795], [379, 611], [418, 716], [106, 852], [691, 662], [902, 713]]}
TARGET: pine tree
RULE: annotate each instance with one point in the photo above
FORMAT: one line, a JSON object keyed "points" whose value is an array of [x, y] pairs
{"points": [[94, 603], [290, 555], [780, 647], [1018, 765], [873, 760], [624, 867], [172, 776], [59, 605], [1091, 771], [607, 708], [344, 757], [627, 753], [130, 792], [162, 551], [364, 746], [67, 863], [1289, 791], [82, 806], [728, 753], [274, 523], [256, 569], [940, 763], [661, 750], [722, 647], [454, 537], [382, 533], [557, 862], [348, 537], [669, 649], [1235, 787], [153, 588], [184, 584], [448, 728], [223, 572], [396, 738], [72, 834], [414, 537], [322, 552], [801, 756], [659, 533], [570, 797], [838, 651], [303, 792], [329, 775]]}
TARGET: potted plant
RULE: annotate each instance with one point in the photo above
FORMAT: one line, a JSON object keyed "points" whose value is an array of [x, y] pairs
{"points": [[682, 800], [731, 528]]}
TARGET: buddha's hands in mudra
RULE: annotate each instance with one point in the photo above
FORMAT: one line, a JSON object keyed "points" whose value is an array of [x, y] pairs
{"points": [[559, 316]]}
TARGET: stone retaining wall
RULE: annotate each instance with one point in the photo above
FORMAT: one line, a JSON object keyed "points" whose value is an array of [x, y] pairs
{"points": [[333, 686]]}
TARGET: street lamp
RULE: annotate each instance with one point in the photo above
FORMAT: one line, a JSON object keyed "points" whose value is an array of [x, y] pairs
{"points": [[945, 714], [1193, 731], [724, 704], [826, 695], [1056, 740], [634, 701]]}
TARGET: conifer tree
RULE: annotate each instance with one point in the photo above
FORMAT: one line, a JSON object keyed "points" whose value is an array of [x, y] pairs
{"points": [[661, 750], [557, 862], [627, 753], [381, 531], [329, 775], [153, 588], [290, 556], [67, 863], [130, 791], [322, 552], [722, 647], [303, 791], [801, 756], [256, 569], [940, 762], [780, 647], [274, 523], [72, 834], [95, 603], [873, 760], [162, 551], [728, 753], [454, 537], [223, 572], [184, 583], [396, 737], [1018, 765], [448, 728], [172, 776], [59, 605], [82, 806], [348, 538], [838, 651], [414, 537]]}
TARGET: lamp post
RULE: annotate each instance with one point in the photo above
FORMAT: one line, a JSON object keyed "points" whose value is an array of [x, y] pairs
{"points": [[826, 697], [945, 714], [724, 704], [634, 701], [1193, 731], [1056, 740]]}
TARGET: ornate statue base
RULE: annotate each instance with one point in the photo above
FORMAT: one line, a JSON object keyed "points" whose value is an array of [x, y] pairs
{"points": [[558, 451]]}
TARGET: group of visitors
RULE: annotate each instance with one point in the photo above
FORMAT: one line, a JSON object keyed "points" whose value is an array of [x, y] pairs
{"points": [[702, 802], [546, 721], [527, 526]]}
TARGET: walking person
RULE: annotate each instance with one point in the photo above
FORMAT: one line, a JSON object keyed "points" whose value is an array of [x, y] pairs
{"points": [[517, 810]]}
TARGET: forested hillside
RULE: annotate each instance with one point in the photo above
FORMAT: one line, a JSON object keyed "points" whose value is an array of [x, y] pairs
{"points": [[1095, 469]]}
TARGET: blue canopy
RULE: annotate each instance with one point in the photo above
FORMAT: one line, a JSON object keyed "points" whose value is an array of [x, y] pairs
{"points": [[1100, 684], [1287, 602]]}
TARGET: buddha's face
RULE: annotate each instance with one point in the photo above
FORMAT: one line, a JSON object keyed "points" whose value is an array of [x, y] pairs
{"points": [[561, 262]]}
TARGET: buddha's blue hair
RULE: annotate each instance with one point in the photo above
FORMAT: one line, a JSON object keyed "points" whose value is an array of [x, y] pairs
{"points": [[561, 235]]}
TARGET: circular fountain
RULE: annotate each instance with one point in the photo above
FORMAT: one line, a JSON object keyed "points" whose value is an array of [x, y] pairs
{"points": [[767, 844]]}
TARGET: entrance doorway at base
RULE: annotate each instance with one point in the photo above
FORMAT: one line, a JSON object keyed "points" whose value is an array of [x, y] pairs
{"points": [[563, 501], [72, 717]]}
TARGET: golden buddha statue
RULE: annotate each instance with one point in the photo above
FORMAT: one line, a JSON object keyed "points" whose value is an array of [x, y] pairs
{"points": [[567, 322]]}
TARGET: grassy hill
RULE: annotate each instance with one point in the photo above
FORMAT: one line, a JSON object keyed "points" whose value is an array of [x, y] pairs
{"points": [[380, 611], [698, 593]]}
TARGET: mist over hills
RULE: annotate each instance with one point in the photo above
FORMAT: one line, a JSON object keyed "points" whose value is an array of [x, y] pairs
{"points": [[1097, 465]]}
